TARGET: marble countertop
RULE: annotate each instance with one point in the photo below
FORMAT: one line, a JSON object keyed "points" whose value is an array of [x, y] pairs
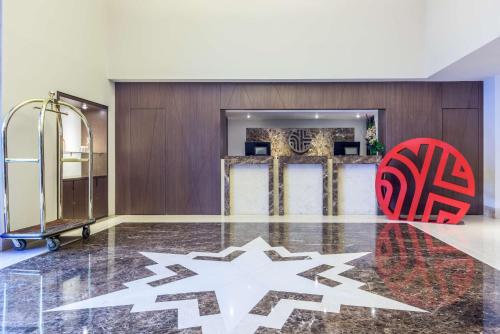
{"points": [[357, 159], [340, 159], [255, 159]]}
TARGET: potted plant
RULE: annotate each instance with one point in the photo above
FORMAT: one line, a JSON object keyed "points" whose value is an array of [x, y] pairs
{"points": [[375, 147]]}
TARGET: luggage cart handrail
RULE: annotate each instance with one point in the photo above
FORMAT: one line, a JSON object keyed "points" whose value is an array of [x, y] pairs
{"points": [[54, 107]]}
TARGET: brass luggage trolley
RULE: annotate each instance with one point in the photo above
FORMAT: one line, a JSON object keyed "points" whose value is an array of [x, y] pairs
{"points": [[46, 230]]}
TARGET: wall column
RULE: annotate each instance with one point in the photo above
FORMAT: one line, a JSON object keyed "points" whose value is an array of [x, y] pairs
{"points": [[492, 147]]}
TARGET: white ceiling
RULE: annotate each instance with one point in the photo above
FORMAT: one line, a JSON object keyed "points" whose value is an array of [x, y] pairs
{"points": [[479, 65], [295, 40], [298, 114]]}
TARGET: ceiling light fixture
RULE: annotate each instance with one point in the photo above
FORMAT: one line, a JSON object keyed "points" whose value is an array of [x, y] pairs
{"points": [[84, 106], [316, 116], [358, 116], [248, 116]]}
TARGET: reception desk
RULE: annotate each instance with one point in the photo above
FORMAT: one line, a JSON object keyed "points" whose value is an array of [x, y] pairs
{"points": [[353, 185], [310, 185], [248, 185]]}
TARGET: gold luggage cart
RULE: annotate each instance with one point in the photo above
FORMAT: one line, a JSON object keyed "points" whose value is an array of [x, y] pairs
{"points": [[52, 229]]}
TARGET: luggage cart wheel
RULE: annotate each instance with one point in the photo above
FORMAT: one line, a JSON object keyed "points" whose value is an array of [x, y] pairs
{"points": [[53, 244], [19, 244], [86, 232]]}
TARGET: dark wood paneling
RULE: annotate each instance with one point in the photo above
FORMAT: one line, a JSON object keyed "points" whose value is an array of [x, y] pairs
{"points": [[223, 133], [147, 164], [100, 199], [461, 129], [412, 110], [75, 199], [194, 127], [303, 96], [123, 190], [462, 95], [192, 148], [80, 198], [67, 199], [172, 162]]}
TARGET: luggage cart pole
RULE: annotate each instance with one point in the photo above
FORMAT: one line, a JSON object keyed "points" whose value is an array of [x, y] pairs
{"points": [[41, 160]]}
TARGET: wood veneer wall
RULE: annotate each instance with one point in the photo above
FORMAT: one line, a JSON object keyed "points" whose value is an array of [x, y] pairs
{"points": [[168, 135]]}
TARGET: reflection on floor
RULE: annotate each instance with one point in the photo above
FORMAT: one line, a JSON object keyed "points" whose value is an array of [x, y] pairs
{"points": [[247, 278]]}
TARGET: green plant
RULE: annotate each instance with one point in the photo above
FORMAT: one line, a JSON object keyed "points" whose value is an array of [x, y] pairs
{"points": [[376, 146]]}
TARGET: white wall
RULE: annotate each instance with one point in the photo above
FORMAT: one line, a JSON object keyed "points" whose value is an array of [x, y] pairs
{"points": [[262, 39], [295, 39], [455, 28], [236, 130], [72, 126], [48, 45], [492, 144]]}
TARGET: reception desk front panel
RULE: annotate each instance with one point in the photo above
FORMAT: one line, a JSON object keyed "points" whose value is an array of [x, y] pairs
{"points": [[248, 186], [302, 190], [308, 185], [303, 185]]}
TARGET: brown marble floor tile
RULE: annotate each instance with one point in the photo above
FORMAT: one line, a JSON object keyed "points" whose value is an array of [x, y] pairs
{"points": [[459, 293]]}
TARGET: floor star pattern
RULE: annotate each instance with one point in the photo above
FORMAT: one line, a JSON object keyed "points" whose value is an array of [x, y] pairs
{"points": [[239, 283]]}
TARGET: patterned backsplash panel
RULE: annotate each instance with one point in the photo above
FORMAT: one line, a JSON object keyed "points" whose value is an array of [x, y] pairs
{"points": [[321, 141]]}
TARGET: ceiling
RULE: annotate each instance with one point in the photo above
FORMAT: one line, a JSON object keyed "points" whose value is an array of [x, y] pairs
{"points": [[298, 114], [478, 65]]}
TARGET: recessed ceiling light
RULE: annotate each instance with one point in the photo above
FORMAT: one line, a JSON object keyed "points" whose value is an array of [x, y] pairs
{"points": [[316, 116], [248, 116], [358, 116], [84, 106]]}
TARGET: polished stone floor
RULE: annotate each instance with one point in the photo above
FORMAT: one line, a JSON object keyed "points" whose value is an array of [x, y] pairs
{"points": [[247, 278]]}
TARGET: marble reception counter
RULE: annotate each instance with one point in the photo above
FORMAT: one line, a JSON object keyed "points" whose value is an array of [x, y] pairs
{"points": [[299, 184], [303, 189], [353, 184], [248, 185]]}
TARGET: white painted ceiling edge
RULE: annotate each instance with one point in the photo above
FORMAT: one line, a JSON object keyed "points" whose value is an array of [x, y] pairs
{"points": [[262, 40], [296, 40]]}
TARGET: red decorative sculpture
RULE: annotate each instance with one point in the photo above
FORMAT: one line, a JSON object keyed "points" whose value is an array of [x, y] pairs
{"points": [[410, 169]]}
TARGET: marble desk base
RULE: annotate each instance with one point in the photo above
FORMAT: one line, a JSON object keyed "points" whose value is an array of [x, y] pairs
{"points": [[247, 196], [354, 194]]}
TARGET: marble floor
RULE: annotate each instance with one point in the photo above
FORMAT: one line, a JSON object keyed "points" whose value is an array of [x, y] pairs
{"points": [[232, 275]]}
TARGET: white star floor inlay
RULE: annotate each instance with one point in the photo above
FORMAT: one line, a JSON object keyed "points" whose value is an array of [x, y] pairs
{"points": [[239, 285]]}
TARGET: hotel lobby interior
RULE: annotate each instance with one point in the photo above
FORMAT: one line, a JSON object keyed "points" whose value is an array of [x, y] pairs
{"points": [[223, 166]]}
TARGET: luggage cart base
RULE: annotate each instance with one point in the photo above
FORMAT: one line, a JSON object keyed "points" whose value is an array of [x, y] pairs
{"points": [[52, 231]]}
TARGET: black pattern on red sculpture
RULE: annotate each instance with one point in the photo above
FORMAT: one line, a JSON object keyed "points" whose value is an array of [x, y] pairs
{"points": [[399, 168]]}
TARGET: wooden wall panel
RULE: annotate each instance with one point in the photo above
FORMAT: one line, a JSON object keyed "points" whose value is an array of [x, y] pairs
{"points": [[412, 110], [303, 96], [168, 149], [193, 125], [147, 163], [123, 190], [461, 129], [80, 198], [67, 199], [462, 94], [193, 148]]}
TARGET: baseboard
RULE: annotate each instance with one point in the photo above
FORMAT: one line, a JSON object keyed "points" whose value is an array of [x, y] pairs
{"points": [[491, 212]]}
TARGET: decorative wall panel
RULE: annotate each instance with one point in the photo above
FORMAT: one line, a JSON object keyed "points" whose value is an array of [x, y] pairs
{"points": [[194, 125], [321, 140]]}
